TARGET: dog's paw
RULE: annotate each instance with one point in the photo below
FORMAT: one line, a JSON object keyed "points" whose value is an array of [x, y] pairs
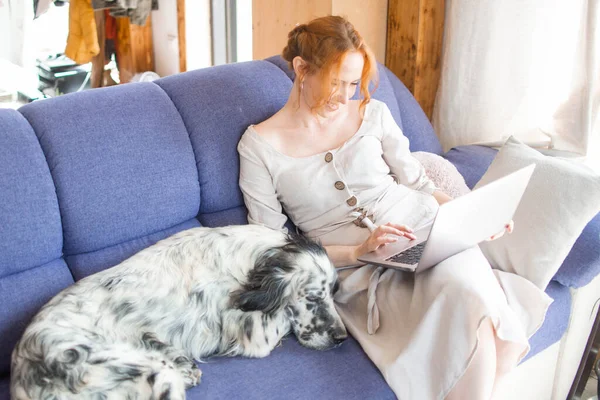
{"points": [[191, 374], [195, 376], [167, 384]]}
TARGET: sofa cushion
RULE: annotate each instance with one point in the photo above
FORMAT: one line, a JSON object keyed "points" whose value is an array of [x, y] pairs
{"points": [[30, 225], [583, 262], [443, 174], [31, 270], [561, 199], [471, 161], [86, 264], [232, 216], [250, 92], [294, 372], [282, 65], [22, 295], [121, 161], [556, 321]]}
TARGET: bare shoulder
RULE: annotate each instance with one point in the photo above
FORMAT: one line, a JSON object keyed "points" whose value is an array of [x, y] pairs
{"points": [[271, 128]]}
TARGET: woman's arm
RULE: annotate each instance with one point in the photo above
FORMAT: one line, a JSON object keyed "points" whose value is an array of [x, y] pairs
{"points": [[342, 256], [397, 155], [441, 197], [257, 187]]}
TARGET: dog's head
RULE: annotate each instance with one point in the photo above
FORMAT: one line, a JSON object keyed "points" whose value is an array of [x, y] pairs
{"points": [[299, 279]]}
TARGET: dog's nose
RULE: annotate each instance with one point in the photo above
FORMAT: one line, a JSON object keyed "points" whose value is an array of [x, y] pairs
{"points": [[339, 338]]}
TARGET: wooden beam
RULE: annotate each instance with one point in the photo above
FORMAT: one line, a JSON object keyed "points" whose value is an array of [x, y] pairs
{"points": [[181, 35], [402, 37], [135, 53], [142, 47], [98, 61], [414, 46], [123, 50]]}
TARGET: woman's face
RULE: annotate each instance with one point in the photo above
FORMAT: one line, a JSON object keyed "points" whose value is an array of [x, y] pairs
{"points": [[343, 87]]}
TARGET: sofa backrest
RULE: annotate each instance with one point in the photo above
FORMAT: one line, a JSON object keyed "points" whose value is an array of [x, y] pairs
{"points": [[217, 105], [122, 166], [89, 179], [32, 269]]}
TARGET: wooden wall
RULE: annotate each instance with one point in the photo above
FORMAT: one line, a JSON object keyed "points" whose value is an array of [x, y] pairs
{"points": [[369, 18], [273, 19], [414, 46], [134, 48]]}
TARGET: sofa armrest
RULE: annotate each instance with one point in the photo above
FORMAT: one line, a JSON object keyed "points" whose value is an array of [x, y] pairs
{"points": [[583, 262]]}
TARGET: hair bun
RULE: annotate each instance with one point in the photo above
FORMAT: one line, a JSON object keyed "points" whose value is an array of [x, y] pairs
{"points": [[292, 49], [299, 28]]}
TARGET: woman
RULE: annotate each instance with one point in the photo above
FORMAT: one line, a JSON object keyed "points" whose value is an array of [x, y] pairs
{"points": [[329, 161]]}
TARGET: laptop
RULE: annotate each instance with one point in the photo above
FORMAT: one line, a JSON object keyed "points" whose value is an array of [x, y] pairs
{"points": [[458, 225]]}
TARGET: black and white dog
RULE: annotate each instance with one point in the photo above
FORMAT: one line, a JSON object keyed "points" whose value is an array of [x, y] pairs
{"points": [[133, 331]]}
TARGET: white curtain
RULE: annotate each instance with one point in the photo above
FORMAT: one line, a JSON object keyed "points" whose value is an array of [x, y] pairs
{"points": [[16, 17], [528, 68]]}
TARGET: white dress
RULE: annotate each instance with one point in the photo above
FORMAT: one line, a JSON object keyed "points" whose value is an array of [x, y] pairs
{"points": [[424, 327]]}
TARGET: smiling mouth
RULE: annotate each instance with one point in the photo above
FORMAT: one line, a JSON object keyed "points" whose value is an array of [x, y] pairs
{"points": [[332, 107]]}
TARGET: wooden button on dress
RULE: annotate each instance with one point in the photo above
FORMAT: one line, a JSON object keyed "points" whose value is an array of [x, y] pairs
{"points": [[351, 201], [339, 185], [328, 157]]}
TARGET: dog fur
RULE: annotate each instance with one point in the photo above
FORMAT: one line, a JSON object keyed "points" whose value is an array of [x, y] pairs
{"points": [[133, 331]]}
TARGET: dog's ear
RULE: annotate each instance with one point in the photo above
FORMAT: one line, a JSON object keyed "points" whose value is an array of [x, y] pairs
{"points": [[267, 288]]}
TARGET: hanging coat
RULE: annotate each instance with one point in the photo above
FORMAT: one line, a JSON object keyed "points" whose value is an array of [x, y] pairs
{"points": [[82, 42]]}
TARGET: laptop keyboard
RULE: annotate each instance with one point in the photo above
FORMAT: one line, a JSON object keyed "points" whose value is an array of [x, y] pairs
{"points": [[409, 256]]}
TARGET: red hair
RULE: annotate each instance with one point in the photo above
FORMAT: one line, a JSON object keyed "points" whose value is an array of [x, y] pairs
{"points": [[323, 43]]}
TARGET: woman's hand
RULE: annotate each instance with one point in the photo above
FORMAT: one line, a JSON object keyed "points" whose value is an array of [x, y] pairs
{"points": [[382, 235], [508, 228]]}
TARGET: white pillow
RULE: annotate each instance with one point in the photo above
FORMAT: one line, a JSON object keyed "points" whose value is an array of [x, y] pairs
{"points": [[443, 174], [561, 198]]}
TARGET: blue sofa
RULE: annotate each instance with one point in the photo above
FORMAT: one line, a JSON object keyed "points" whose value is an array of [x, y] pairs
{"points": [[88, 179]]}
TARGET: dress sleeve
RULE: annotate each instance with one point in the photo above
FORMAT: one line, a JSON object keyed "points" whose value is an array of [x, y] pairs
{"points": [[259, 193], [396, 153]]}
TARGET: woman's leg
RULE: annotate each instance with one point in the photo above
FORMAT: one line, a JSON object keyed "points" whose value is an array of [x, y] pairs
{"points": [[478, 380]]}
